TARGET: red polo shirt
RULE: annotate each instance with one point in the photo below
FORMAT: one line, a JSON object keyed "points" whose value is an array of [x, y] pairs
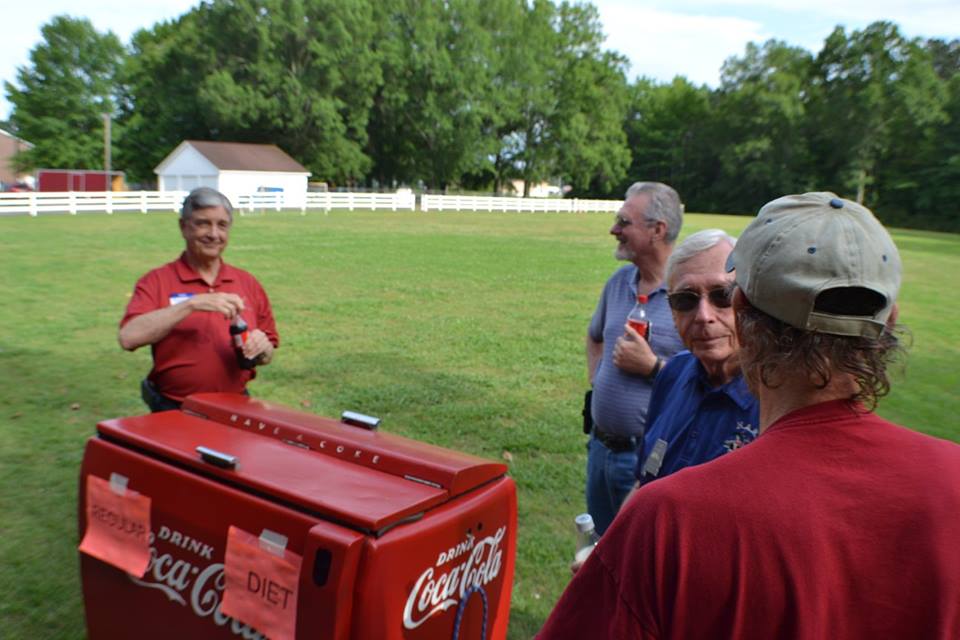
{"points": [[197, 355]]}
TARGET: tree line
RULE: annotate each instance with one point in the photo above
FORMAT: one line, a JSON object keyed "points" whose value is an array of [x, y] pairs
{"points": [[471, 95]]}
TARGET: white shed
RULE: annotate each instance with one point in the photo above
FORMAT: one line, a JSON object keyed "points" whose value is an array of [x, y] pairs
{"points": [[233, 168]]}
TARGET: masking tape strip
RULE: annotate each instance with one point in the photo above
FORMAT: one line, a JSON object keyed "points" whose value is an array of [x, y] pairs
{"points": [[273, 542], [118, 484]]}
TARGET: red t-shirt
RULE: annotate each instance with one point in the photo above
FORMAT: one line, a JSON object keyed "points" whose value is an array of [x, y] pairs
{"points": [[198, 355], [832, 524]]}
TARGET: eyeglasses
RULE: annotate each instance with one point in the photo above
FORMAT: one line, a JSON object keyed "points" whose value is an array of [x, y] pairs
{"points": [[683, 301], [621, 222]]}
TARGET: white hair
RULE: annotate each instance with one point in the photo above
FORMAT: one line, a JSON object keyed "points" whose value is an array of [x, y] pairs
{"points": [[204, 198], [664, 206], [695, 244]]}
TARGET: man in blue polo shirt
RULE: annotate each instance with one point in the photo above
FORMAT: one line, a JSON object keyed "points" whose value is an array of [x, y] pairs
{"points": [[700, 407], [622, 364]]}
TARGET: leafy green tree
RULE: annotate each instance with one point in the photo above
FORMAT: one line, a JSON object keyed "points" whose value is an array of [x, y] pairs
{"points": [[563, 103], [299, 73], [59, 98], [592, 98], [523, 93], [917, 174], [945, 57], [159, 106], [760, 115], [428, 115], [864, 86], [668, 129], [497, 90]]}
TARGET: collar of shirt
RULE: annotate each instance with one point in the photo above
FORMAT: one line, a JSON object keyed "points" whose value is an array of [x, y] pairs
{"points": [[186, 273], [635, 276], [736, 389]]}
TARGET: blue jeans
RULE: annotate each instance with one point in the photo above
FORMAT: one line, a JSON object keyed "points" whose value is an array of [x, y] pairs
{"points": [[610, 477]]}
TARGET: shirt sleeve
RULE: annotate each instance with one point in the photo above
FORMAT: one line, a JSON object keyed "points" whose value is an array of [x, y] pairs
{"points": [[662, 385], [595, 330], [146, 298]]}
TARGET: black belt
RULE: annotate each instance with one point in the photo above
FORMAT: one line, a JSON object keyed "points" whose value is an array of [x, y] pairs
{"points": [[616, 442]]}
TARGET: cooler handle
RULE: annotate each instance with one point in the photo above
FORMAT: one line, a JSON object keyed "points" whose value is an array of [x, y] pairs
{"points": [[217, 458], [360, 420]]}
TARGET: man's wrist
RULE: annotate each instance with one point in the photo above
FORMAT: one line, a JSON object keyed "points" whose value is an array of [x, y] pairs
{"points": [[657, 366]]}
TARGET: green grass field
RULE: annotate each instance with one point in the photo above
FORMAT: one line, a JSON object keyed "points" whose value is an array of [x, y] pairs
{"points": [[463, 330]]}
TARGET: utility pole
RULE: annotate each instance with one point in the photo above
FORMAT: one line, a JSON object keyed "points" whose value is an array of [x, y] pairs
{"points": [[106, 150]]}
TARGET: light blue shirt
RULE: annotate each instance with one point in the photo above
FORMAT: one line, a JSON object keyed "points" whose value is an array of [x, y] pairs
{"points": [[620, 399]]}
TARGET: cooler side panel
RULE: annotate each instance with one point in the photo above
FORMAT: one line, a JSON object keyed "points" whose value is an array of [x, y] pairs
{"points": [[413, 580], [180, 595]]}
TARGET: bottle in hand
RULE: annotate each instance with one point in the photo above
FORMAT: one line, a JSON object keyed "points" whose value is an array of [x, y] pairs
{"points": [[587, 537], [637, 318], [240, 333]]}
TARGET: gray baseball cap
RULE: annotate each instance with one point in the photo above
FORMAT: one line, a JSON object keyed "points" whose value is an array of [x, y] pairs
{"points": [[819, 263]]}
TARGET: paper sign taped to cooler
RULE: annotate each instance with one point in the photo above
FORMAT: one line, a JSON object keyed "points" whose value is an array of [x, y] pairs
{"points": [[261, 585], [118, 527]]}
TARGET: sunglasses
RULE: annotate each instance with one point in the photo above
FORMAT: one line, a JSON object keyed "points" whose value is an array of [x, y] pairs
{"points": [[683, 301], [621, 222]]}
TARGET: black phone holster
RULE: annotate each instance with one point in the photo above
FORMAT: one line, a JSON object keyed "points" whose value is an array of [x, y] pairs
{"points": [[587, 413]]}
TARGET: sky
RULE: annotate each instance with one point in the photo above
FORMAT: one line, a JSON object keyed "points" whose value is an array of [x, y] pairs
{"points": [[661, 38]]}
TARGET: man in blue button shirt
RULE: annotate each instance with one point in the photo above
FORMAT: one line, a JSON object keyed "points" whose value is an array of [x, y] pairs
{"points": [[700, 407]]}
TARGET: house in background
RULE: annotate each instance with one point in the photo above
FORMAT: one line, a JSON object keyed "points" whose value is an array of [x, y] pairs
{"points": [[538, 190], [233, 168], [11, 145]]}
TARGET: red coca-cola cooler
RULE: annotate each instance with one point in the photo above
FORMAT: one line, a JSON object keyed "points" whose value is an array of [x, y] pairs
{"points": [[384, 537]]}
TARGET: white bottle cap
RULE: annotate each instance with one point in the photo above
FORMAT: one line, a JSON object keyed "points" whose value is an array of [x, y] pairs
{"points": [[584, 522]]}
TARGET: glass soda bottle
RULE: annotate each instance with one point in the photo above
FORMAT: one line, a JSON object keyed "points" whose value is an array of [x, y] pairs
{"points": [[587, 537], [637, 318], [240, 333]]}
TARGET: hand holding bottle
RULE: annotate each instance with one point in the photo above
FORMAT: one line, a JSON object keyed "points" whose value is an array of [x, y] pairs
{"points": [[252, 346], [632, 354]]}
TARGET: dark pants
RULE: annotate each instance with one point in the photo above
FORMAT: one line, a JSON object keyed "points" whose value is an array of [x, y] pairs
{"points": [[156, 400]]}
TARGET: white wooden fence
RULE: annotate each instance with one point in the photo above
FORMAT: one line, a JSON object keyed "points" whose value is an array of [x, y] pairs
{"points": [[401, 201], [75, 202], [508, 203]]}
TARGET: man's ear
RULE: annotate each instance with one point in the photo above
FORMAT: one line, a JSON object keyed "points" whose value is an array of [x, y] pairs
{"points": [[739, 302], [894, 314], [660, 230]]}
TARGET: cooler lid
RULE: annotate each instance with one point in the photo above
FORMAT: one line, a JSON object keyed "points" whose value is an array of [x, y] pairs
{"points": [[360, 497], [453, 471]]}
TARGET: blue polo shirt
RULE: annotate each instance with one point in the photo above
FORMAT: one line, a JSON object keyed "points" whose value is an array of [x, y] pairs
{"points": [[691, 422], [619, 398]]}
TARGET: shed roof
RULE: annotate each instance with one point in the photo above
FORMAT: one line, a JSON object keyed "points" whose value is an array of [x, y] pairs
{"points": [[242, 156], [15, 137]]}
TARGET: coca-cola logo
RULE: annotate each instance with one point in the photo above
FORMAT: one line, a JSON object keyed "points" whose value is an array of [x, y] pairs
{"points": [[182, 581], [435, 592]]}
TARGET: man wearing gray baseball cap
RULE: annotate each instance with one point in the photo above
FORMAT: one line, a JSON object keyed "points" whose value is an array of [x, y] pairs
{"points": [[834, 523]]}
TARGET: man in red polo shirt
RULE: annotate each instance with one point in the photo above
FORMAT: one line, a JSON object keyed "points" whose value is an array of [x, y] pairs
{"points": [[184, 309]]}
